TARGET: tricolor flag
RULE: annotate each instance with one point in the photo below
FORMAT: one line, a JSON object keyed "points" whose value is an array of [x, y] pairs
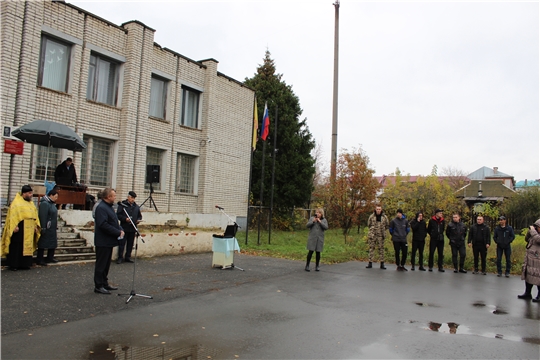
{"points": [[265, 129], [255, 126]]}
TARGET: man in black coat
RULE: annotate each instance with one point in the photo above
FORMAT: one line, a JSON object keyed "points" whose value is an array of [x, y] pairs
{"points": [[503, 235], [134, 212], [436, 234], [456, 231], [480, 240], [107, 232], [419, 232], [65, 173]]}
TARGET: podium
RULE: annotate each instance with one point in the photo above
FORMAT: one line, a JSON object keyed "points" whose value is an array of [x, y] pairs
{"points": [[224, 249]]}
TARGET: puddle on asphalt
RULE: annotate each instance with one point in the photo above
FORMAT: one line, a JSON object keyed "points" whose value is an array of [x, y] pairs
{"points": [[118, 351], [496, 310], [455, 328], [426, 304], [478, 304]]}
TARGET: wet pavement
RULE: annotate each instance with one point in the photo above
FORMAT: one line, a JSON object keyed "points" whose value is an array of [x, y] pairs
{"points": [[272, 310]]}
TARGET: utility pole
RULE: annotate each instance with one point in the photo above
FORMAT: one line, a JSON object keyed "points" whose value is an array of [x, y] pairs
{"points": [[333, 160]]}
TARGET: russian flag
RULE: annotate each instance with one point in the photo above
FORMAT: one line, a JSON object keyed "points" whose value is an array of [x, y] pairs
{"points": [[265, 123]]}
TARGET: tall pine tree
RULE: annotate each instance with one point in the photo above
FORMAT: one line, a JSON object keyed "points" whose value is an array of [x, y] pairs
{"points": [[295, 167]]}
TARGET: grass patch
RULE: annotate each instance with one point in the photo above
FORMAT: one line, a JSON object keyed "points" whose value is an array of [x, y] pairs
{"points": [[292, 245]]}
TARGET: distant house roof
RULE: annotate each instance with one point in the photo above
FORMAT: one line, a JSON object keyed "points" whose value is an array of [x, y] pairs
{"points": [[486, 173], [492, 190], [527, 183]]}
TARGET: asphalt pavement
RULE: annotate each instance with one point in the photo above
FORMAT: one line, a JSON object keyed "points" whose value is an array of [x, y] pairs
{"points": [[272, 310]]}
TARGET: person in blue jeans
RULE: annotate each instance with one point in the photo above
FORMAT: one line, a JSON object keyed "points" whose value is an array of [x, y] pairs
{"points": [[503, 237]]}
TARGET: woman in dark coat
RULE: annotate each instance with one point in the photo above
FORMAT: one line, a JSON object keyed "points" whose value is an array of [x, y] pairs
{"points": [[317, 225], [48, 217]]}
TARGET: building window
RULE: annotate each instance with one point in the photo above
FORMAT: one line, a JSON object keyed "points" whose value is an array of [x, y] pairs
{"points": [[54, 64], [39, 162], [96, 163], [158, 97], [155, 157], [185, 173], [189, 116], [102, 80]]}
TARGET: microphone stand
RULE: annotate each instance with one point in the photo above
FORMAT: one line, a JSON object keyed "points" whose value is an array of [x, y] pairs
{"points": [[235, 223], [132, 293]]}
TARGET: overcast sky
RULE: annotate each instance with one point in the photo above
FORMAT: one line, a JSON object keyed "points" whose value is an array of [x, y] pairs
{"points": [[452, 84]]}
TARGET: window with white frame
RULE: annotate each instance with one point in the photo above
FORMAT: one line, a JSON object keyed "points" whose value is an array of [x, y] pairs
{"points": [[155, 157], [54, 64], [158, 97], [103, 74], [185, 173], [39, 166], [189, 115], [96, 162]]}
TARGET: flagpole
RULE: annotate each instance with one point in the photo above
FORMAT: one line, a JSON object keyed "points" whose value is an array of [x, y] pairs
{"points": [[273, 172], [253, 137], [262, 190]]}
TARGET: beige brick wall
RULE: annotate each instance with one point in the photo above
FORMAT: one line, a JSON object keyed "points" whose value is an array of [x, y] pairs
{"points": [[222, 143]]}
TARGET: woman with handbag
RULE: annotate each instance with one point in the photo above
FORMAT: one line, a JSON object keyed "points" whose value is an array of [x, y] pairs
{"points": [[48, 217]]}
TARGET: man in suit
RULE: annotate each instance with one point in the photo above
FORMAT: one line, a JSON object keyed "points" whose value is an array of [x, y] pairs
{"points": [[107, 233]]}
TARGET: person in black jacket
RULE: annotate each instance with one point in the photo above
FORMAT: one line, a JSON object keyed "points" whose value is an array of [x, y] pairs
{"points": [[436, 234], [503, 235], [456, 231], [399, 228], [65, 173], [134, 212], [479, 239], [107, 232], [419, 232]]}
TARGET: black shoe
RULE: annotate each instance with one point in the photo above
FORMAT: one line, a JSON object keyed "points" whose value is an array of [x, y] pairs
{"points": [[369, 265], [507, 275], [536, 299], [102, 290], [317, 268], [53, 260], [430, 269], [42, 263], [128, 260], [441, 270], [462, 271], [475, 272], [404, 268], [382, 266], [307, 268], [484, 273], [119, 260], [399, 268], [13, 268], [499, 275], [456, 271], [412, 268], [109, 287], [421, 268], [525, 296]]}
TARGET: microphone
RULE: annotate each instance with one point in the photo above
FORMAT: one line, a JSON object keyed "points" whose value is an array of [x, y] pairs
{"points": [[219, 207], [122, 204]]}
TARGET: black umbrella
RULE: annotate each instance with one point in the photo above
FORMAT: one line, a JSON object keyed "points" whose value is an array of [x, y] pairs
{"points": [[50, 134]]}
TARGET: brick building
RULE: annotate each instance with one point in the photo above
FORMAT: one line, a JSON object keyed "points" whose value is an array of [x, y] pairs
{"points": [[131, 100]]}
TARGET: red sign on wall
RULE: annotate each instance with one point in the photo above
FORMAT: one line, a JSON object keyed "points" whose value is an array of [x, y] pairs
{"points": [[13, 147]]}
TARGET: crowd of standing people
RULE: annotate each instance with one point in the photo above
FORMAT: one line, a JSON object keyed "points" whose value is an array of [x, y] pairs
{"points": [[478, 238]]}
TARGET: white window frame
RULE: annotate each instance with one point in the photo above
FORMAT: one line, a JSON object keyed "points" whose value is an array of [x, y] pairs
{"points": [[46, 57], [194, 176], [39, 155], [95, 84], [85, 173], [186, 91], [158, 105], [161, 186]]}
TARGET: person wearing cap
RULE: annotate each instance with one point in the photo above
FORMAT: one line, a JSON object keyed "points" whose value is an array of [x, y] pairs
{"points": [[479, 240], [21, 231], [530, 270], [503, 235], [456, 231], [436, 239], [65, 173], [399, 228], [134, 212]]}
